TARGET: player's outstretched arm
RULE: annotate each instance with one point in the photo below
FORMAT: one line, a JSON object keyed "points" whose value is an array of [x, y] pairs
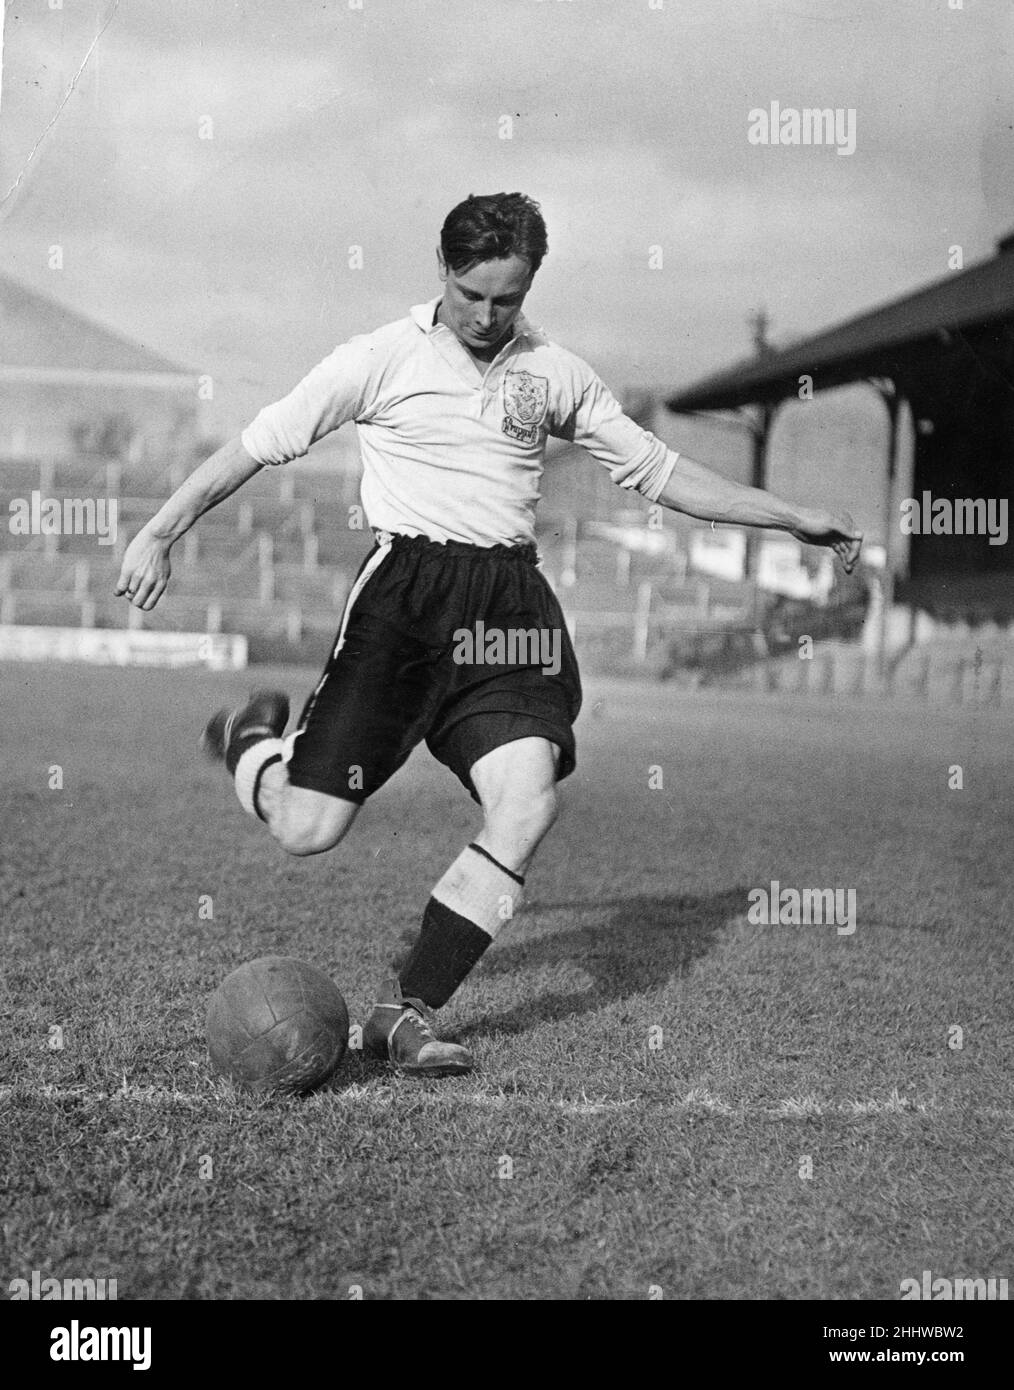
{"points": [[145, 571], [700, 492]]}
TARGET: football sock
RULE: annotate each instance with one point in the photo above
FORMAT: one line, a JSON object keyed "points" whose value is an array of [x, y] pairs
{"points": [[250, 768], [469, 905]]}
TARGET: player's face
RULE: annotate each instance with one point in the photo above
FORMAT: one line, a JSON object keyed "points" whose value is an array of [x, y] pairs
{"points": [[480, 304]]}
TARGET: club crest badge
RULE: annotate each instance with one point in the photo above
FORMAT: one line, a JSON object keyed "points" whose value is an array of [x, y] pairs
{"points": [[525, 401]]}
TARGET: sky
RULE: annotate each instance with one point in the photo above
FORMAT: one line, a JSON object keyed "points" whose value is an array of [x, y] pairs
{"points": [[359, 123]]}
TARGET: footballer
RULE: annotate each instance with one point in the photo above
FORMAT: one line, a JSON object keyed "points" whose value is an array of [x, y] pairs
{"points": [[453, 405]]}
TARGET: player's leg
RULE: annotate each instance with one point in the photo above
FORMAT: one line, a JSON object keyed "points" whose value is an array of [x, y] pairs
{"points": [[303, 821], [370, 707], [355, 729], [483, 888], [249, 741], [516, 786]]}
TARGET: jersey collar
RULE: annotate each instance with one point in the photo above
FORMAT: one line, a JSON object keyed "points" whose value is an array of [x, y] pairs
{"points": [[424, 315]]}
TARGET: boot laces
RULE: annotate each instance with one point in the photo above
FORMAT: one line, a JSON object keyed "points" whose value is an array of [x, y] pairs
{"points": [[415, 1007]]}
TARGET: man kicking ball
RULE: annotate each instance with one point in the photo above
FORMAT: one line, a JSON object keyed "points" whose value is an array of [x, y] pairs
{"points": [[453, 406]]}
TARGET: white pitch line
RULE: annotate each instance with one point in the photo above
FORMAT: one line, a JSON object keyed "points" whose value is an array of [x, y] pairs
{"points": [[699, 1099]]}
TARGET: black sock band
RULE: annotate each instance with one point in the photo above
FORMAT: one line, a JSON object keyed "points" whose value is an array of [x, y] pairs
{"points": [[268, 762], [447, 948], [502, 867]]}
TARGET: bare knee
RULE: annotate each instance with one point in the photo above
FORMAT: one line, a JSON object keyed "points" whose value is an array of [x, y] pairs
{"points": [[526, 817], [516, 783], [311, 823]]}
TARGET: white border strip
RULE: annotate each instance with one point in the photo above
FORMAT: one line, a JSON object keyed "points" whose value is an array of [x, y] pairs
{"points": [[369, 569], [367, 572]]}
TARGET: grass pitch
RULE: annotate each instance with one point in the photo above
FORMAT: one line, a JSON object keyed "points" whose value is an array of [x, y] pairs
{"points": [[670, 1102]]}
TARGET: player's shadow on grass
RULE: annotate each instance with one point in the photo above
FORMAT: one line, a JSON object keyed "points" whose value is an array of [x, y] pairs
{"points": [[627, 945]]}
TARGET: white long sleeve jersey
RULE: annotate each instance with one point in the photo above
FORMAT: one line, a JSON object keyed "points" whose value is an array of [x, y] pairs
{"points": [[449, 450]]}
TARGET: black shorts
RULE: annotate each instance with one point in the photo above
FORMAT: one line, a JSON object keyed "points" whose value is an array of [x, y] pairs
{"points": [[464, 646]]}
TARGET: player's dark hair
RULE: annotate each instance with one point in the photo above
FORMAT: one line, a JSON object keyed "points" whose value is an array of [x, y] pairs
{"points": [[492, 227]]}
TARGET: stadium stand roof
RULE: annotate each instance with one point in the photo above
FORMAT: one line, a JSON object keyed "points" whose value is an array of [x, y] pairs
{"points": [[39, 334], [873, 344]]}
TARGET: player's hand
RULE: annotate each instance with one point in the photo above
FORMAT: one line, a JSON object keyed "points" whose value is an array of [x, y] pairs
{"points": [[834, 529], [145, 571]]}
